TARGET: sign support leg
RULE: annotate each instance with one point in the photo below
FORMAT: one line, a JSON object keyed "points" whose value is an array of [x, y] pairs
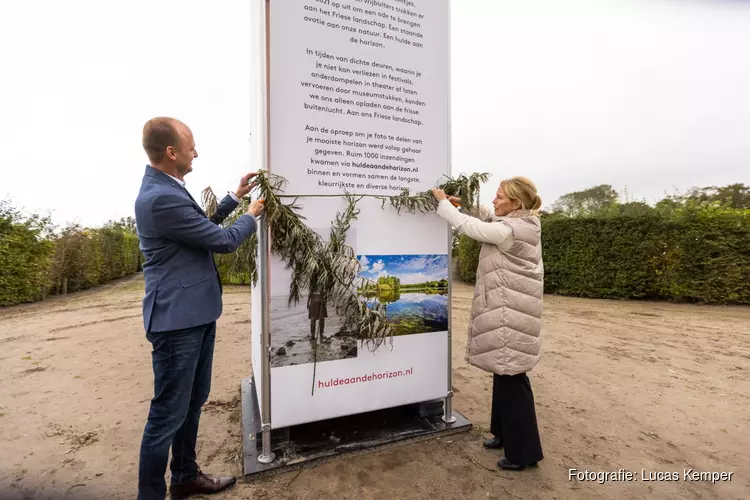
{"points": [[448, 417], [266, 456]]}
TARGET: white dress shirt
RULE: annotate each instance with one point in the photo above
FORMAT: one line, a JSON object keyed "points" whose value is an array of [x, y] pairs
{"points": [[182, 183]]}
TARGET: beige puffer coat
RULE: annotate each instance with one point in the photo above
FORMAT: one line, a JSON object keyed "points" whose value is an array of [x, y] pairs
{"points": [[506, 314]]}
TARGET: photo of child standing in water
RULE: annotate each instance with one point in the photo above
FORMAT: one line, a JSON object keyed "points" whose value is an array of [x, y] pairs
{"points": [[317, 312]]}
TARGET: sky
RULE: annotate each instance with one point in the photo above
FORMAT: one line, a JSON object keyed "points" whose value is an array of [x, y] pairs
{"points": [[650, 96], [409, 269]]}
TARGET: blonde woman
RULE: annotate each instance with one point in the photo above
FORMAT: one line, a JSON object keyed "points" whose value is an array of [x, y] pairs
{"points": [[506, 314]]}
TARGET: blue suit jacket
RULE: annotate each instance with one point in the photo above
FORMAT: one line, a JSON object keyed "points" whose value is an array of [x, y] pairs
{"points": [[183, 288]]}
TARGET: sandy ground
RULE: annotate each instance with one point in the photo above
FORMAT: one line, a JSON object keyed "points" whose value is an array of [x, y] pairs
{"points": [[629, 385]]}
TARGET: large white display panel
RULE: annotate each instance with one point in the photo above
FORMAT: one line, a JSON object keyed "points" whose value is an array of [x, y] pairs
{"points": [[358, 102], [259, 158]]}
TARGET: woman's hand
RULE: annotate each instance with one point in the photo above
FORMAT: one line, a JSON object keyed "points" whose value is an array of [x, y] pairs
{"points": [[439, 194]]}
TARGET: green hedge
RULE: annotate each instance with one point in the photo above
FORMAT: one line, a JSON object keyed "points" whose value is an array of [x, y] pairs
{"points": [[35, 261], [84, 258], [698, 254], [468, 258], [693, 253], [707, 257], [603, 258], [233, 268], [25, 256]]}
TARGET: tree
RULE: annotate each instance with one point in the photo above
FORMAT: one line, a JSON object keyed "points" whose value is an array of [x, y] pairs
{"points": [[592, 201], [733, 195], [128, 224], [389, 283], [634, 209], [455, 238]]}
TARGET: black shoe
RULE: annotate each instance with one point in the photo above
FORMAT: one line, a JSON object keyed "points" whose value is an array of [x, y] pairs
{"points": [[505, 465], [493, 443], [204, 483]]}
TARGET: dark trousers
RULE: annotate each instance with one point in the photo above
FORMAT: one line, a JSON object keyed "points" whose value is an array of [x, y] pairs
{"points": [[321, 327], [182, 362], [514, 419]]}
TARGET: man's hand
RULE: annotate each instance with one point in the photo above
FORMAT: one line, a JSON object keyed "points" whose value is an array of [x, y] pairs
{"points": [[245, 185], [256, 208]]}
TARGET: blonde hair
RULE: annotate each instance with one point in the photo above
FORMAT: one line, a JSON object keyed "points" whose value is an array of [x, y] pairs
{"points": [[523, 190]]}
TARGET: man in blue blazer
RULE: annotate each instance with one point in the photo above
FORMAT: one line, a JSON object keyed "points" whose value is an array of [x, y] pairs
{"points": [[181, 305]]}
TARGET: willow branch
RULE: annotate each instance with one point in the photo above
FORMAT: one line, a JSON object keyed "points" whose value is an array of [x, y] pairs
{"points": [[331, 268]]}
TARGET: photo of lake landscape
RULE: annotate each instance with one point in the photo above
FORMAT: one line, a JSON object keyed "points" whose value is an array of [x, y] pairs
{"points": [[413, 289]]}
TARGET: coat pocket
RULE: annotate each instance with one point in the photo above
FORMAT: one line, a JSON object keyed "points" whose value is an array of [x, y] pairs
{"points": [[479, 301], [195, 279]]}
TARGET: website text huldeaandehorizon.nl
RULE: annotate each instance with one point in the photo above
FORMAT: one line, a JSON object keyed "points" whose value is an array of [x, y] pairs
{"points": [[335, 382]]}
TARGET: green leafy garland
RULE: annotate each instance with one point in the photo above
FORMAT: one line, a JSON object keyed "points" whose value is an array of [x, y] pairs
{"points": [[331, 268]]}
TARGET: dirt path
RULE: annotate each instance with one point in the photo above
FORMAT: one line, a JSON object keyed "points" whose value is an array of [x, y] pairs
{"points": [[621, 385]]}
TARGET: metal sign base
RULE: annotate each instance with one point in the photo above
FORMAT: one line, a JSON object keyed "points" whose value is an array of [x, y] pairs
{"points": [[317, 442]]}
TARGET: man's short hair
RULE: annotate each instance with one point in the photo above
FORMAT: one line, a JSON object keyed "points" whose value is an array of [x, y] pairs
{"points": [[158, 133]]}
